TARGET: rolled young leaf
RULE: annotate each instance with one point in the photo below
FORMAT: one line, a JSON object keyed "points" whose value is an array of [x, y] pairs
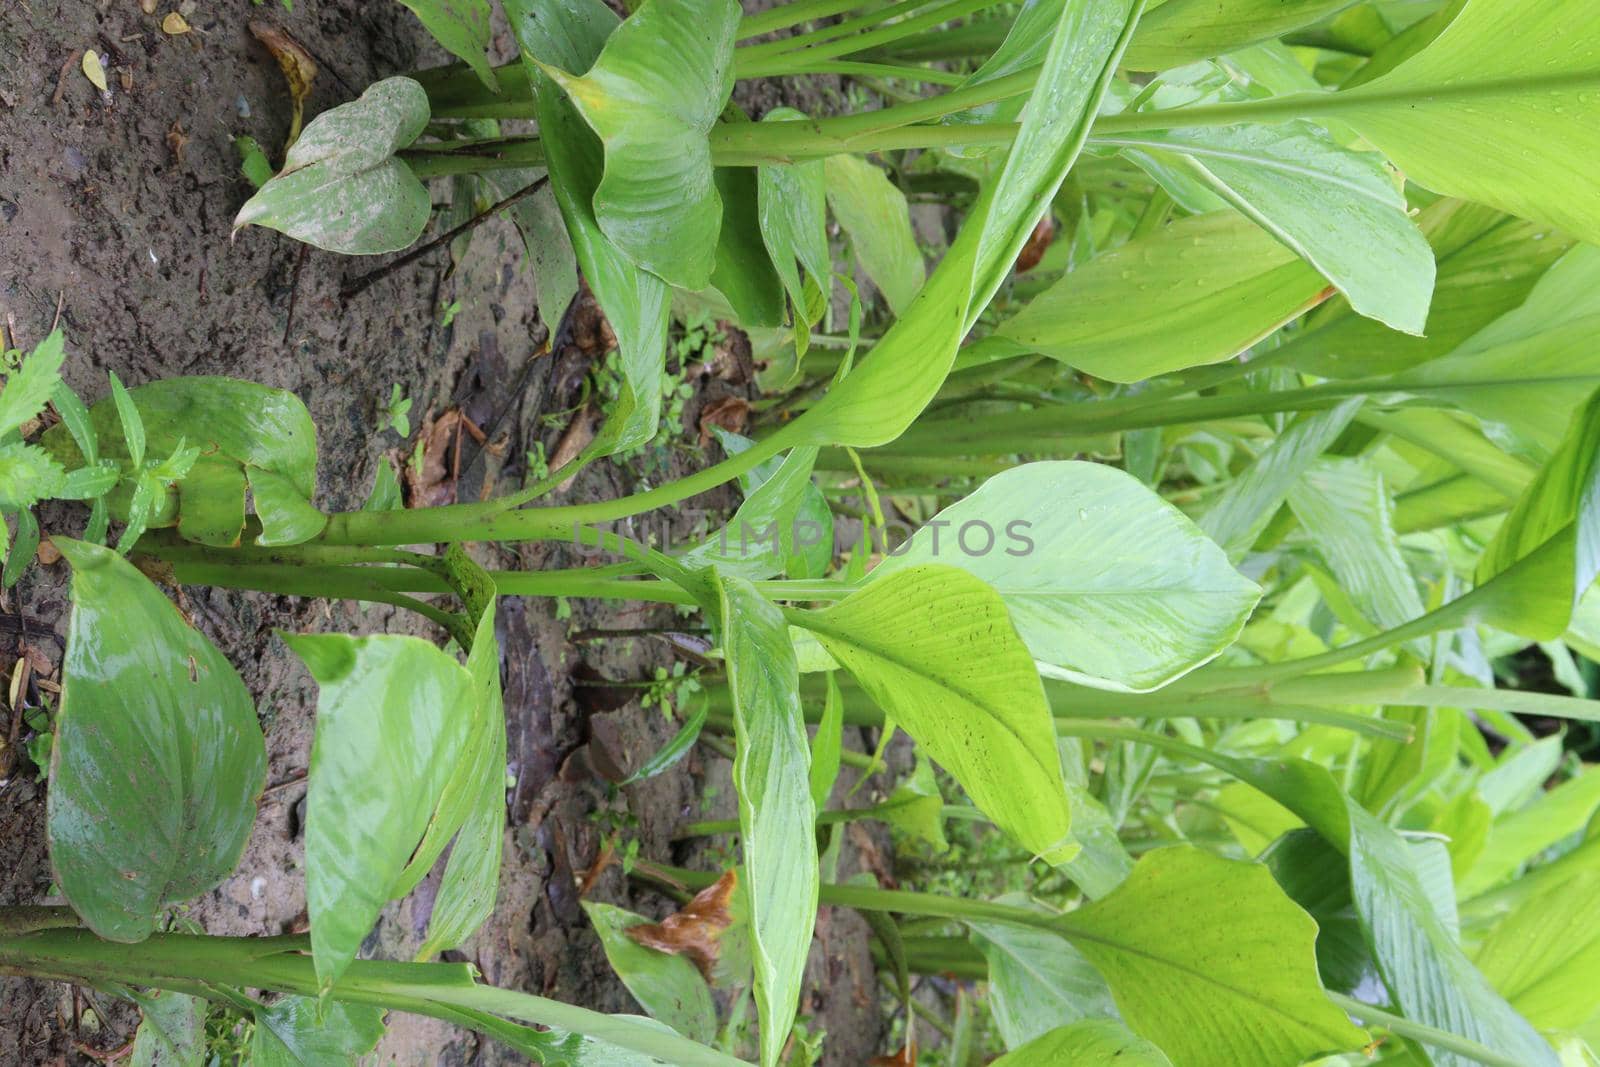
{"points": [[158, 758]]}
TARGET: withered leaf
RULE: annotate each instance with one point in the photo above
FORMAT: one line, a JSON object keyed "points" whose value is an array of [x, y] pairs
{"points": [[731, 413], [433, 483], [695, 929], [299, 70], [1038, 241], [906, 1057]]}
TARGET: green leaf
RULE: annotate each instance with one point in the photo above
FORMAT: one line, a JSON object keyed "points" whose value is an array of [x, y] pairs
{"points": [[669, 988], [171, 1032], [158, 758], [240, 428], [1090, 1043], [915, 807], [22, 550], [299, 1032], [1207, 288], [806, 534], [88, 483], [1544, 956], [653, 95], [827, 747], [1345, 509], [1316, 876], [253, 162], [1182, 31], [744, 272], [793, 206], [884, 395], [342, 188], [570, 34], [33, 384], [1210, 960], [675, 749], [1558, 520], [474, 800], [872, 211], [1341, 210], [128, 418], [771, 774], [1488, 263], [1238, 515], [287, 517], [463, 28], [1516, 838], [1495, 110], [29, 474], [392, 702], [1024, 48], [761, 537], [935, 648], [385, 492], [1037, 980], [1103, 579]]}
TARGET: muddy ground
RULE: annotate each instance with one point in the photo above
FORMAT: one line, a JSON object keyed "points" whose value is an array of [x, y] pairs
{"points": [[115, 209]]}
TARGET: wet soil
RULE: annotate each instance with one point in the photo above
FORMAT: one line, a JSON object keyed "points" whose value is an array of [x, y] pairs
{"points": [[115, 212]]}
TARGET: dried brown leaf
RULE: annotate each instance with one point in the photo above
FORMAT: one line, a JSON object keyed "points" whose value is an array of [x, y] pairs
{"points": [[1038, 241], [574, 439], [906, 1057], [434, 483], [695, 929], [299, 70], [731, 413]]}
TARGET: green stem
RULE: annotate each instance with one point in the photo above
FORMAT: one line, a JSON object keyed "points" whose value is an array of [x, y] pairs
{"points": [[823, 34], [748, 62], [1427, 1035], [785, 15]]}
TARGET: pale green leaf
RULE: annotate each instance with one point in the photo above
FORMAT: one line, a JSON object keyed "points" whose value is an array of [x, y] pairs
{"points": [[872, 211], [1090, 1043], [1037, 980], [462, 27], [171, 1032], [158, 757], [299, 1032], [1182, 31], [669, 987]]}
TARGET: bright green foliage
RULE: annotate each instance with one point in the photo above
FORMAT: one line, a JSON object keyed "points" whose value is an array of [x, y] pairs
{"points": [[937, 651], [1181, 31], [1102, 579], [341, 187], [171, 1032], [1037, 980], [158, 757], [1091, 1043], [658, 85], [792, 200], [1209, 959], [462, 26], [771, 772], [873, 212], [668, 987], [297, 1032]]}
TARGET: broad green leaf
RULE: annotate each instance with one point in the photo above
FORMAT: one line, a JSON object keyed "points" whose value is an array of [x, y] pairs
{"points": [[1210, 959], [342, 188], [158, 758], [793, 205], [570, 34], [872, 211], [827, 747], [1418, 956], [33, 385], [807, 533], [1516, 838], [240, 429], [28, 474], [653, 95], [1090, 1043], [1558, 518], [1341, 210], [1544, 956], [1345, 509], [1024, 48], [669, 987], [761, 537], [771, 774], [1207, 288], [393, 717], [172, 1032], [1238, 515], [744, 273], [1104, 580], [463, 28], [298, 1032], [287, 518], [474, 799], [550, 256], [1182, 31], [1037, 980], [916, 807], [935, 648], [1495, 110], [1488, 263], [886, 393]]}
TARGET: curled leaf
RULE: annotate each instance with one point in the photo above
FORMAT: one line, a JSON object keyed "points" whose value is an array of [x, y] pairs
{"points": [[299, 70], [695, 929]]}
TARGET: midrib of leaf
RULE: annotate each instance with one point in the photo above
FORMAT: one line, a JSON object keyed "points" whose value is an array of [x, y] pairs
{"points": [[809, 621], [1264, 161]]}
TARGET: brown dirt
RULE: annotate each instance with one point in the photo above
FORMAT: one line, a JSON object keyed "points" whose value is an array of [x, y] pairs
{"points": [[119, 209]]}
